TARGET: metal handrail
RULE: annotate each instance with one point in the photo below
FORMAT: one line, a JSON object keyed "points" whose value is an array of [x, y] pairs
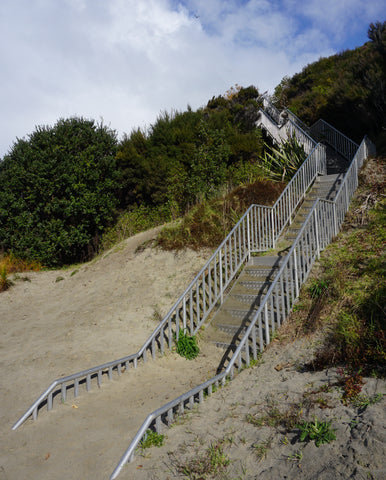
{"points": [[315, 234], [340, 142]]}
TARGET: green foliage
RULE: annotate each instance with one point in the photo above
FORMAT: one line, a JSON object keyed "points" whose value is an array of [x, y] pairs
{"points": [[213, 462], [58, 192], [261, 449], [317, 288], [363, 401], [185, 157], [281, 163], [209, 165], [286, 418], [354, 267], [346, 89], [187, 346], [321, 432], [152, 439]]}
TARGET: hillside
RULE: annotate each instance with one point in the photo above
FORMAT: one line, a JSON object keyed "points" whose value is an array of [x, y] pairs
{"points": [[347, 90]]}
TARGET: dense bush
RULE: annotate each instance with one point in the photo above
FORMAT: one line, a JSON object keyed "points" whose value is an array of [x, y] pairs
{"points": [[187, 156], [347, 90], [58, 191]]}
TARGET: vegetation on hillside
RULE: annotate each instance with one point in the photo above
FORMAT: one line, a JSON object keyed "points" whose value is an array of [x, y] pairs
{"points": [[347, 90], [348, 294]]}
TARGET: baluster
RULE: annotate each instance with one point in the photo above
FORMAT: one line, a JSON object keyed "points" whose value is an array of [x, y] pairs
{"points": [[49, 402], [64, 392], [266, 323], [184, 314], [76, 387]]}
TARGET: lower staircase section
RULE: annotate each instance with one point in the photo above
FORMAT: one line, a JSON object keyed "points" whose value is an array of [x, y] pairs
{"points": [[229, 324]]}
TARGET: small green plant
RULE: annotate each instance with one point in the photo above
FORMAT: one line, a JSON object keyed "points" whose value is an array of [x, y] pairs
{"points": [[274, 417], [213, 462], [297, 457], [261, 449], [317, 288], [363, 401], [187, 345], [152, 439], [321, 432]]}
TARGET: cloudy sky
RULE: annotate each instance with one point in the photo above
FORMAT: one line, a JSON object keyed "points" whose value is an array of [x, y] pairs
{"points": [[125, 61]]}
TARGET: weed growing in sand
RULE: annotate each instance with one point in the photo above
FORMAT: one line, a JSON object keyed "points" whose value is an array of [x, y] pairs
{"points": [[213, 462], [152, 439], [297, 457], [351, 383], [262, 448], [321, 432], [187, 345], [363, 401], [274, 417]]}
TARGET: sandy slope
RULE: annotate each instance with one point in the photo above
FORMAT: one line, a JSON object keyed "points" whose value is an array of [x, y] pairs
{"points": [[104, 310], [60, 322]]}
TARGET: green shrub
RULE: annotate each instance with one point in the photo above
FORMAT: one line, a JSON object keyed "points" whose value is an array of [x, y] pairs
{"points": [[58, 192], [187, 346]]}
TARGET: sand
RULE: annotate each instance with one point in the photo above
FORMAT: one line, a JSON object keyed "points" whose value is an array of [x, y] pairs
{"points": [[56, 323]]}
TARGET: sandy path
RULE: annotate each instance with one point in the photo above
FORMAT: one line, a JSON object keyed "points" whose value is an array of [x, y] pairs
{"points": [[53, 327]]}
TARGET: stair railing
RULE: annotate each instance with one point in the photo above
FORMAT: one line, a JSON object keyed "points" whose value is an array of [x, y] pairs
{"points": [[256, 231], [319, 228], [322, 130]]}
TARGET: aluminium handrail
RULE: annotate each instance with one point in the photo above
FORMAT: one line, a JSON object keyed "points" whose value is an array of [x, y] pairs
{"points": [[340, 142]]}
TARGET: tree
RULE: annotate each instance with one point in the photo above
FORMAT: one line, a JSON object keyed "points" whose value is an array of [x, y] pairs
{"points": [[377, 34], [58, 191]]}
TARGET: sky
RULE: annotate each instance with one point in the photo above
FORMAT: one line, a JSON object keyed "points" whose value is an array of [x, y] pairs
{"points": [[123, 62]]}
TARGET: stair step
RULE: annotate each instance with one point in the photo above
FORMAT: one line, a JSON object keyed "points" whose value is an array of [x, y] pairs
{"points": [[252, 300], [266, 261], [260, 273], [224, 345]]}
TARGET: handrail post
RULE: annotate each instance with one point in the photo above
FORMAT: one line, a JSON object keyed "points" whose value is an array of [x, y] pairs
{"points": [[249, 236], [317, 234], [296, 274], [221, 280]]}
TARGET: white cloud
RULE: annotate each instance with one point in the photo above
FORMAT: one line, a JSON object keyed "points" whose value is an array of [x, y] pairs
{"points": [[126, 60]]}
